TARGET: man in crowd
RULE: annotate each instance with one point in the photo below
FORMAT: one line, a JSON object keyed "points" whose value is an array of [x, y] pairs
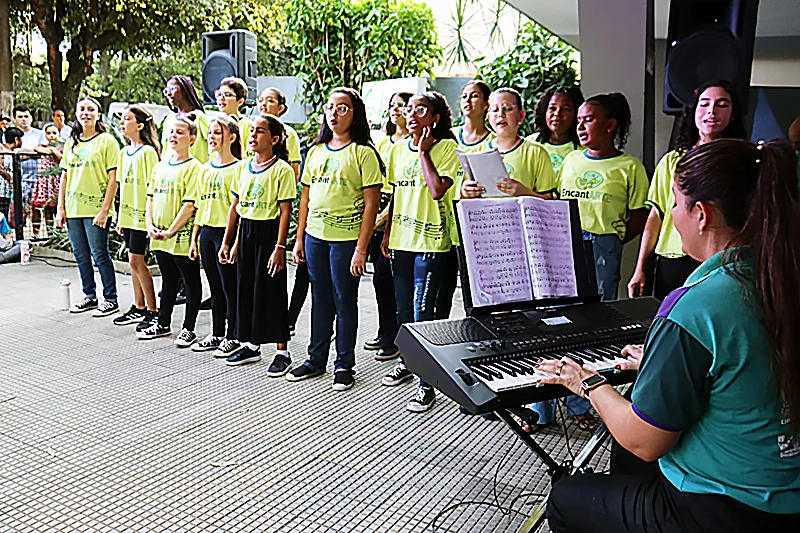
{"points": [[31, 139]]}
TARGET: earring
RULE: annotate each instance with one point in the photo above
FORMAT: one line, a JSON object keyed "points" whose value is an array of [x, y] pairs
{"points": [[701, 232]]}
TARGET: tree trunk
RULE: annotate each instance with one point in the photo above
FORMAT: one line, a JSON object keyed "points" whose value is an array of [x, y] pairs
{"points": [[6, 72], [79, 58]]}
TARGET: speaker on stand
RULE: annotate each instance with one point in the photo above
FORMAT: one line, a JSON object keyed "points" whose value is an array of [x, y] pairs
{"points": [[225, 54]]}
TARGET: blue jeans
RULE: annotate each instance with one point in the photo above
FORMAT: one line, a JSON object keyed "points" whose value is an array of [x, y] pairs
{"points": [[89, 241], [607, 259], [417, 277], [547, 410], [334, 290]]}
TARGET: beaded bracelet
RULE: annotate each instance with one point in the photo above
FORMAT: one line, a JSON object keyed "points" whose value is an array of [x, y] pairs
{"points": [[360, 252], [283, 246]]}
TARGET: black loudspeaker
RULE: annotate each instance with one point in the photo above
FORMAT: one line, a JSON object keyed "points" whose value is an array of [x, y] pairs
{"points": [[229, 53], [708, 40]]}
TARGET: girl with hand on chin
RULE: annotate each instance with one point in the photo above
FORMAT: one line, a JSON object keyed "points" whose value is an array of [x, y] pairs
{"points": [[528, 164], [86, 203], [342, 179], [171, 196]]}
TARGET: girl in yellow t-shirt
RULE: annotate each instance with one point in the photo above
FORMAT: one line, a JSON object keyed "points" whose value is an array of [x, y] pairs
{"points": [[473, 135], [255, 240], [86, 203], [715, 113], [556, 122], [136, 163], [341, 180], [417, 236], [231, 96], [183, 101], [171, 197], [382, 282], [216, 182], [610, 186], [527, 163]]}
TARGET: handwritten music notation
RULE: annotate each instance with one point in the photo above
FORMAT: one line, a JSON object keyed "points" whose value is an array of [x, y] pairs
{"points": [[548, 232]]}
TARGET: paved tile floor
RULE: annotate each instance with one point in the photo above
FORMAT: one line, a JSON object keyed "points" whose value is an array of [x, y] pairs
{"points": [[100, 432]]}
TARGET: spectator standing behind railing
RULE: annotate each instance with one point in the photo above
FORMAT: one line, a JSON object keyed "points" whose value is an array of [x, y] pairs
{"points": [[30, 140], [12, 141]]}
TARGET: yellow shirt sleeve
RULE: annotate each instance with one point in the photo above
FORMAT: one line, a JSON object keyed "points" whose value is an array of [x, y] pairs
{"points": [[286, 186], [370, 168], [659, 194], [293, 145], [543, 170], [110, 153], [638, 186], [447, 163], [191, 192], [304, 177]]}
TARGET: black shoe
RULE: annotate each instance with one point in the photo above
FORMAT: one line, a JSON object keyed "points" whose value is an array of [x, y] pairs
{"points": [[422, 401], [343, 380], [180, 298], [303, 372], [385, 354], [106, 308], [87, 304], [374, 344], [131, 316], [397, 375], [280, 366], [243, 356], [154, 331], [205, 305], [149, 319]]}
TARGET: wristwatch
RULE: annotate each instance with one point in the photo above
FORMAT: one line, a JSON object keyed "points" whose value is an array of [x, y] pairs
{"points": [[591, 383]]}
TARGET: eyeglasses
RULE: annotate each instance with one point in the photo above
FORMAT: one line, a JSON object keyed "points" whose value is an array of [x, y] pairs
{"points": [[220, 94], [504, 109], [340, 109], [419, 111], [267, 100], [170, 90]]}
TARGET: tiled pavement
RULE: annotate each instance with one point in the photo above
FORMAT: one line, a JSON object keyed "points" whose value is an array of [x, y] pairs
{"points": [[100, 432]]}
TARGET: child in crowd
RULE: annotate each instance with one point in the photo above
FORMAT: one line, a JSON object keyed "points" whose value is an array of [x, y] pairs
{"points": [[417, 238], [183, 101], [171, 196], [136, 164], [474, 136], [556, 122], [231, 96], [261, 209], [341, 182], [217, 180], [45, 191]]}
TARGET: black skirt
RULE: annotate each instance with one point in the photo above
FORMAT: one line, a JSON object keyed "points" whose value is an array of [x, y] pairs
{"points": [[261, 311]]}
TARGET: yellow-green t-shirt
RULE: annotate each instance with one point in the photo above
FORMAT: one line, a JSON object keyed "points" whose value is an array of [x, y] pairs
{"points": [[557, 152], [529, 163], [170, 187], [260, 193], [336, 180], [214, 202], [479, 146], [606, 190], [133, 172], [88, 164], [199, 149], [385, 147], [244, 132], [420, 223], [292, 144], [662, 199]]}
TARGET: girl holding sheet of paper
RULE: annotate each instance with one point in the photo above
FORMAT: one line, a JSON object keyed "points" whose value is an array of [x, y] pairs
{"points": [[527, 164]]}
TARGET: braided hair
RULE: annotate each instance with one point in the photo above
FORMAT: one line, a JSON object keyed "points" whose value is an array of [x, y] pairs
{"points": [[188, 91], [615, 106]]}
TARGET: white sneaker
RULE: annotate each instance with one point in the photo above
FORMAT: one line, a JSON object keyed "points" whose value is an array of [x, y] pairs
{"points": [[227, 348], [106, 308], [185, 338]]}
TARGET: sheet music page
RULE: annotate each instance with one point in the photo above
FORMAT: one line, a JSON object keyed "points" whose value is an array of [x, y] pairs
{"points": [[548, 233], [494, 245], [487, 168]]}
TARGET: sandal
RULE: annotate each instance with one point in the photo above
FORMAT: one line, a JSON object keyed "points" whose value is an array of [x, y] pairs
{"points": [[532, 428], [587, 422]]}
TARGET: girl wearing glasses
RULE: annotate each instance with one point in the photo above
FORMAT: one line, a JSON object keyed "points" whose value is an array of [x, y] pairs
{"points": [[528, 164], [556, 122], [341, 182], [183, 101], [382, 282], [417, 238], [216, 182], [231, 96]]}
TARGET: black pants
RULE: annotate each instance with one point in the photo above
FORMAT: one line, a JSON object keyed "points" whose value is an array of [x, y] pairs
{"points": [[173, 269], [671, 274], [648, 503], [447, 287], [383, 283], [299, 292], [221, 281]]}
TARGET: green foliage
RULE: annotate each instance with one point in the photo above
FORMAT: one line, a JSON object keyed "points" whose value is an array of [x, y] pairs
{"points": [[349, 42], [538, 60], [32, 86]]}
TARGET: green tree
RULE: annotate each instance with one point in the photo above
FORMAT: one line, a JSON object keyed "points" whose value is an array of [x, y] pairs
{"points": [[348, 42], [538, 60]]}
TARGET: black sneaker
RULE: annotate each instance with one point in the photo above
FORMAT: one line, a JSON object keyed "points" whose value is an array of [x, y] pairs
{"points": [[205, 305], [209, 343], [154, 331], [422, 401], [374, 344], [243, 356], [185, 338], [387, 354], [87, 304], [227, 348], [343, 380], [106, 308], [303, 372], [398, 375], [280, 366], [132, 315], [149, 319]]}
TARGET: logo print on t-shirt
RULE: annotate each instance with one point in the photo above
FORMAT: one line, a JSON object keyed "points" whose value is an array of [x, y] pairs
{"points": [[589, 180], [254, 192], [556, 161], [79, 157], [509, 170], [413, 171], [329, 168]]}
